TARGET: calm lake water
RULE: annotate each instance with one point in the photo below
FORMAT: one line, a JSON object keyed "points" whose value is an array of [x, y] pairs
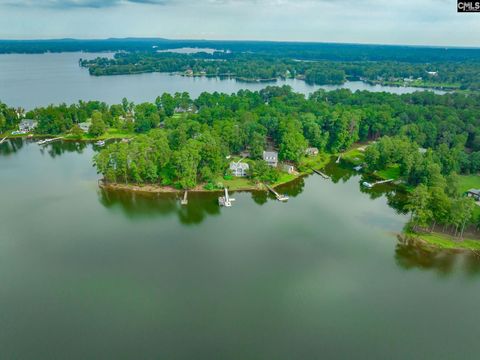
{"points": [[28, 81], [86, 274]]}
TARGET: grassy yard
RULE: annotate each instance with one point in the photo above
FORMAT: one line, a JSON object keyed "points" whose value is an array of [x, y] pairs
{"points": [[237, 183], [391, 172], [284, 178], [109, 134], [469, 182], [354, 156], [444, 241], [313, 162]]}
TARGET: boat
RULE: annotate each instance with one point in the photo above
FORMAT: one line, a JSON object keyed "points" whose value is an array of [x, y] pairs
{"points": [[367, 184], [41, 142], [100, 143]]}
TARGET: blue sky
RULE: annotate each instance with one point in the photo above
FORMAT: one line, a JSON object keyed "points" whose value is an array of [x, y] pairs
{"points": [[421, 22]]}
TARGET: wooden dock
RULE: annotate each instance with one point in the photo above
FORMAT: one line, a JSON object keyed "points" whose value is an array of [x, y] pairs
{"points": [[184, 200], [325, 176], [47, 141], [371, 185], [279, 197]]}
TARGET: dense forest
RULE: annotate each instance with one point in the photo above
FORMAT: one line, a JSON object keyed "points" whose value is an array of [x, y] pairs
{"points": [[255, 67], [185, 142]]}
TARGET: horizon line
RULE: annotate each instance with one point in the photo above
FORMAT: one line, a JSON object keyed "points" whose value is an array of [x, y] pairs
{"points": [[148, 38]]}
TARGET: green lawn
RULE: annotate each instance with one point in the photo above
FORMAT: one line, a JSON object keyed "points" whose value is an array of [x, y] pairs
{"points": [[109, 134], [447, 242], [236, 183], [391, 172], [284, 178], [354, 156], [469, 182], [313, 162]]}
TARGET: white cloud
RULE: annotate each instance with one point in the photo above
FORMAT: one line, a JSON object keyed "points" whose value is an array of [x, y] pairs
{"points": [[424, 22]]}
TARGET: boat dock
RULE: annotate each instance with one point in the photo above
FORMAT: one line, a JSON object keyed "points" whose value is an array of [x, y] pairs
{"points": [[3, 140], [184, 201], [325, 176], [371, 185], [277, 195], [47, 141], [338, 159], [225, 200]]}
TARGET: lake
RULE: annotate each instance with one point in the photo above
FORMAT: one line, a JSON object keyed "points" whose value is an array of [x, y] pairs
{"points": [[88, 274], [31, 80]]}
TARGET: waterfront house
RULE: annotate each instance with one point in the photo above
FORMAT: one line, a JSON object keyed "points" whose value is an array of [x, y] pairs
{"points": [[27, 125], [271, 157], [239, 169], [311, 151], [288, 168], [474, 193], [85, 126]]}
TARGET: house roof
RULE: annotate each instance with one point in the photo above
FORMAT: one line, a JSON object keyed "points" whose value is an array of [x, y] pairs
{"points": [[238, 165], [474, 191], [270, 154], [28, 122]]}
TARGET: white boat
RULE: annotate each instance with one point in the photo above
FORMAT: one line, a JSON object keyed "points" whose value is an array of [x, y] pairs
{"points": [[367, 184], [100, 143]]}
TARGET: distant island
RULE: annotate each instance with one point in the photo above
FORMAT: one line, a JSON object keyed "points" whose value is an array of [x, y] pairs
{"points": [[270, 66], [447, 68]]}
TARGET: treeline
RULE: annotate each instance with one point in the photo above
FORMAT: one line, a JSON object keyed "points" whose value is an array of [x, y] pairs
{"points": [[446, 126], [464, 75], [292, 50]]}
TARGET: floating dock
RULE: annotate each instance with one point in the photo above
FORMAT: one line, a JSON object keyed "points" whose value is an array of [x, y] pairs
{"points": [[184, 200], [279, 197], [325, 176], [225, 200]]}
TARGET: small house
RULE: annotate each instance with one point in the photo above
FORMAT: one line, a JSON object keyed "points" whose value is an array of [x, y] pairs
{"points": [[288, 168], [271, 157], [239, 169], [474, 193], [84, 126], [27, 125], [311, 151]]}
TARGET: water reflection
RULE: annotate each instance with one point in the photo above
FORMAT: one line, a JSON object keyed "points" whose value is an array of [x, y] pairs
{"points": [[58, 148], [11, 146], [136, 205], [411, 254]]}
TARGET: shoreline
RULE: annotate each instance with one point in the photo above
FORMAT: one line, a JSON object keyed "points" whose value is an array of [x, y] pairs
{"points": [[442, 241], [161, 189]]}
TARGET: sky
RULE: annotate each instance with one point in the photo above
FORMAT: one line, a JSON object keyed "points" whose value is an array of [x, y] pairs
{"points": [[415, 22]]}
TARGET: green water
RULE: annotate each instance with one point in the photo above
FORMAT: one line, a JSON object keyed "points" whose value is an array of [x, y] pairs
{"points": [[91, 275]]}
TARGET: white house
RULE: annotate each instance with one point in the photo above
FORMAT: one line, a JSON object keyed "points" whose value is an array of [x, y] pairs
{"points": [[27, 125], [311, 151], [271, 157], [288, 168], [474, 193], [239, 169], [85, 126]]}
